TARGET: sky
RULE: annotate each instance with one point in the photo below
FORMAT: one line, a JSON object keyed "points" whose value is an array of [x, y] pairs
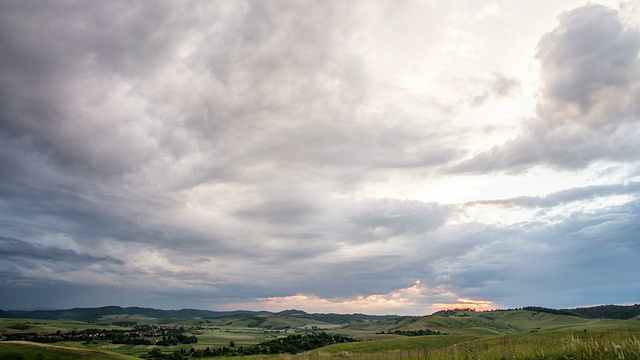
{"points": [[380, 157]]}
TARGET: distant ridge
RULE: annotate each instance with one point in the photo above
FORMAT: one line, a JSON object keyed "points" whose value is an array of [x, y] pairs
{"points": [[334, 318], [620, 312], [93, 314], [551, 311], [6, 314]]}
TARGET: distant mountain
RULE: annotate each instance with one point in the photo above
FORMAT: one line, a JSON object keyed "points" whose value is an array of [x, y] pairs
{"points": [[93, 314], [335, 318], [609, 312], [6, 314], [551, 311], [82, 314]]}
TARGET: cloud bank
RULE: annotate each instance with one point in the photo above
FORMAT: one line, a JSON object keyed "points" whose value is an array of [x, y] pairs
{"points": [[338, 157]]}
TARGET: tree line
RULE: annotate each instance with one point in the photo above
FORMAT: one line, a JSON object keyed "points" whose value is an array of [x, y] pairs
{"points": [[291, 344], [139, 335]]}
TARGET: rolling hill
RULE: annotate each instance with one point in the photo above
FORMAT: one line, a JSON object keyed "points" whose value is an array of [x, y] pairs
{"points": [[464, 322], [6, 314], [94, 314], [117, 312], [449, 321]]}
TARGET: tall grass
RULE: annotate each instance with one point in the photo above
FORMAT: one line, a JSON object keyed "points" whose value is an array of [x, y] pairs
{"points": [[615, 345]]}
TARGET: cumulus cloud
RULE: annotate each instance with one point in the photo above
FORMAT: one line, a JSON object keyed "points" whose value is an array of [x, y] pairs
{"points": [[499, 86], [587, 107]]}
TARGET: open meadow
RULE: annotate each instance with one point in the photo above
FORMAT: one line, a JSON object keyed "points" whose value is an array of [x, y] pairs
{"points": [[504, 334]]}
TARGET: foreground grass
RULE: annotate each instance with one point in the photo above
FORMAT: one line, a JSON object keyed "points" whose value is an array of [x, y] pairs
{"points": [[29, 351], [618, 344]]}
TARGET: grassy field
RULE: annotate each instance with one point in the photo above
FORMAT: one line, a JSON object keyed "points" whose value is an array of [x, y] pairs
{"points": [[612, 344], [506, 322], [12, 326], [28, 351], [617, 343], [492, 335]]}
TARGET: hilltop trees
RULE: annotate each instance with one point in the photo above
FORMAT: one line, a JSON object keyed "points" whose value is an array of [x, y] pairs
{"points": [[291, 344]]}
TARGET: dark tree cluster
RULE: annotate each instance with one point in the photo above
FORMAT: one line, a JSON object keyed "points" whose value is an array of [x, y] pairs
{"points": [[609, 312], [139, 335], [452, 312], [291, 344], [549, 311], [421, 332], [125, 323]]}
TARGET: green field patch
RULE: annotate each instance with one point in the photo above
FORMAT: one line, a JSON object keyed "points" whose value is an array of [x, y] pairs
{"points": [[398, 343], [26, 351], [14, 326], [614, 344], [20, 327]]}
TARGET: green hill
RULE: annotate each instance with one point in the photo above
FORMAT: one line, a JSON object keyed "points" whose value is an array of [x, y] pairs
{"points": [[503, 322], [268, 321], [402, 343], [25, 351], [6, 314], [120, 313], [94, 314], [336, 318]]}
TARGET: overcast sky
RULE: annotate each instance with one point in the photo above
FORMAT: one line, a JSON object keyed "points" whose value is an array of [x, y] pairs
{"points": [[383, 157]]}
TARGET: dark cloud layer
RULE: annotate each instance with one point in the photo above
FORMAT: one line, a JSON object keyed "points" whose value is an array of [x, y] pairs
{"points": [[226, 154]]}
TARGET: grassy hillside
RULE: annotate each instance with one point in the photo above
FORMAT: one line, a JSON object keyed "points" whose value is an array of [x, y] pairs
{"points": [[504, 322], [120, 313], [12, 326], [600, 344], [402, 343], [342, 319], [269, 322], [6, 314], [26, 351]]}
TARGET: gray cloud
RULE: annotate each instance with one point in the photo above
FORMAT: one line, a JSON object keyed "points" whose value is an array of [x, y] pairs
{"points": [[587, 109], [393, 218], [15, 248], [499, 86], [566, 196], [553, 265], [590, 51], [224, 152]]}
